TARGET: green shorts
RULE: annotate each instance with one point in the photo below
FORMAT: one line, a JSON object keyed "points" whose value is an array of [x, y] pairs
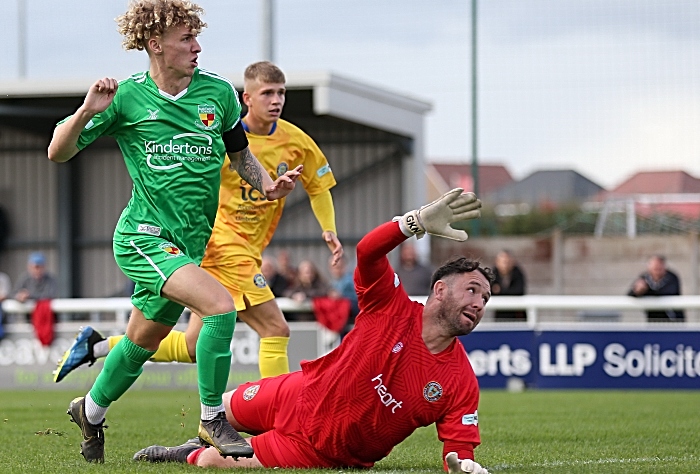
{"points": [[149, 261]]}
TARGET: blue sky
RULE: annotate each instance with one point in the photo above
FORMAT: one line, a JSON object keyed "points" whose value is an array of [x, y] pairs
{"points": [[605, 87]]}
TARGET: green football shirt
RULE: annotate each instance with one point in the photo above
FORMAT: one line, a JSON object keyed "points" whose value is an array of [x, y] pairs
{"points": [[173, 151]]}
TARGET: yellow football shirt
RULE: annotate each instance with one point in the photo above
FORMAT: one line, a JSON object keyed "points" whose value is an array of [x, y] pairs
{"points": [[245, 220]]}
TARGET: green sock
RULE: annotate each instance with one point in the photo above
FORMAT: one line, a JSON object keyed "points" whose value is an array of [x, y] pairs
{"points": [[123, 365], [214, 357]]}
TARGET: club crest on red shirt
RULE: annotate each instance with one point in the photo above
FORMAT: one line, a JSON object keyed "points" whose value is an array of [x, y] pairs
{"points": [[432, 391], [250, 392]]}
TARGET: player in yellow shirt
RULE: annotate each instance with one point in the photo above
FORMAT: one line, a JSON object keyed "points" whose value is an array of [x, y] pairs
{"points": [[245, 223]]}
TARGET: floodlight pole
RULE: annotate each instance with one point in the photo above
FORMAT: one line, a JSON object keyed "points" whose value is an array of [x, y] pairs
{"points": [[475, 160], [268, 30]]}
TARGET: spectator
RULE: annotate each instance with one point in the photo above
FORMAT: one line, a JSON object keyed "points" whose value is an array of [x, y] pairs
{"points": [[310, 284], [510, 281], [275, 280], [658, 280], [37, 284], [5, 290], [414, 276], [286, 268], [343, 286]]}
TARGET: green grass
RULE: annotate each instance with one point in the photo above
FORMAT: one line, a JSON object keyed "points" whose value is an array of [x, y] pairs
{"points": [[531, 432]]}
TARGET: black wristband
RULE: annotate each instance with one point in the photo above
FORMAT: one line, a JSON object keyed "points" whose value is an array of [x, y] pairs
{"points": [[235, 139]]}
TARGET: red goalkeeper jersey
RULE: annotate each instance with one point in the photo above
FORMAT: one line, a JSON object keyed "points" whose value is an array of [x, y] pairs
{"points": [[381, 383]]}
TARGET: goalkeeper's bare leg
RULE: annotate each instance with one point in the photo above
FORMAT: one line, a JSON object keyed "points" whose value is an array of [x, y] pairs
{"points": [[210, 457], [194, 454]]}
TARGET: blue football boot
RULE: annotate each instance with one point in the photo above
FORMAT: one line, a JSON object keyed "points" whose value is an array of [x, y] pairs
{"points": [[79, 353]]}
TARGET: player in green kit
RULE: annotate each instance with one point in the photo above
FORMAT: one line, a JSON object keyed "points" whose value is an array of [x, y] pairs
{"points": [[174, 124]]}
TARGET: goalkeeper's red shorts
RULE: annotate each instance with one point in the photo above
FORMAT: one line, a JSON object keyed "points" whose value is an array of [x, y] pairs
{"points": [[268, 406]]}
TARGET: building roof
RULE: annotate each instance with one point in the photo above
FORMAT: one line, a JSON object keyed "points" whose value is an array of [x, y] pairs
{"points": [[658, 182], [334, 95], [546, 188], [656, 192], [491, 176]]}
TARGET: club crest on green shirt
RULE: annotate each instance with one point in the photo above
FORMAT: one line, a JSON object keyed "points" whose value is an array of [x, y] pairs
{"points": [[171, 249], [207, 117]]}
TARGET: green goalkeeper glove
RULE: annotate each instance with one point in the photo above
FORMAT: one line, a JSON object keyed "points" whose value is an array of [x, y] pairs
{"points": [[435, 218], [461, 466]]}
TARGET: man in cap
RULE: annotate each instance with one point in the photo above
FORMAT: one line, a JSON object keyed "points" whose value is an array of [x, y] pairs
{"points": [[36, 283]]}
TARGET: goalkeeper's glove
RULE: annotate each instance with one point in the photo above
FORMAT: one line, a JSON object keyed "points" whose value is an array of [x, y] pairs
{"points": [[435, 218], [461, 466]]}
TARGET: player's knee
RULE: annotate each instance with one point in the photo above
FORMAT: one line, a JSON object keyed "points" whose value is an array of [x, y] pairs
{"points": [[275, 328], [222, 305], [279, 328], [285, 332], [278, 325]]}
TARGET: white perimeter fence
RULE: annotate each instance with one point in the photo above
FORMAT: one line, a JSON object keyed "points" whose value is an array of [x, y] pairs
{"points": [[582, 308], [546, 350]]}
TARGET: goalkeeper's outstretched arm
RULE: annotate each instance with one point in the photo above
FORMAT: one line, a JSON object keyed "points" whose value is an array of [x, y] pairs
{"points": [[434, 218], [372, 250]]}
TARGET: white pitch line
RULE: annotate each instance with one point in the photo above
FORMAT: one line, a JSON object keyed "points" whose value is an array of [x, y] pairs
{"points": [[498, 467]]}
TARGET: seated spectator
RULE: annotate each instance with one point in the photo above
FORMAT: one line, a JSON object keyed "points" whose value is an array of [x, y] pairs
{"points": [[343, 286], [36, 284], [275, 280], [415, 277], [39, 286], [310, 284], [285, 267], [658, 280], [510, 281]]}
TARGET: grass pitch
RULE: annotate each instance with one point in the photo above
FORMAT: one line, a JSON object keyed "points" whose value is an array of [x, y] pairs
{"points": [[531, 432]]}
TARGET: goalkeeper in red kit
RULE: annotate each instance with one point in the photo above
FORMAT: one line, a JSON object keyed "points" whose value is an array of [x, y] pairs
{"points": [[400, 368]]}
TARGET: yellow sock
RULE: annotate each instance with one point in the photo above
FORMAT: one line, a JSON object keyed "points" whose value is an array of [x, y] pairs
{"points": [[272, 358], [112, 340], [173, 349]]}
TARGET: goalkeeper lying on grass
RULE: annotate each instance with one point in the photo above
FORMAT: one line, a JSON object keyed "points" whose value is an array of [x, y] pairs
{"points": [[400, 368]]}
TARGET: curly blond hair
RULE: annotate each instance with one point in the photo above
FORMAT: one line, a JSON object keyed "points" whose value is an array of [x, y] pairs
{"points": [[147, 18]]}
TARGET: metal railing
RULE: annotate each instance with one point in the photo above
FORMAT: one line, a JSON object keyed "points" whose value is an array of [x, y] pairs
{"points": [[531, 304], [120, 307], [534, 304]]}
